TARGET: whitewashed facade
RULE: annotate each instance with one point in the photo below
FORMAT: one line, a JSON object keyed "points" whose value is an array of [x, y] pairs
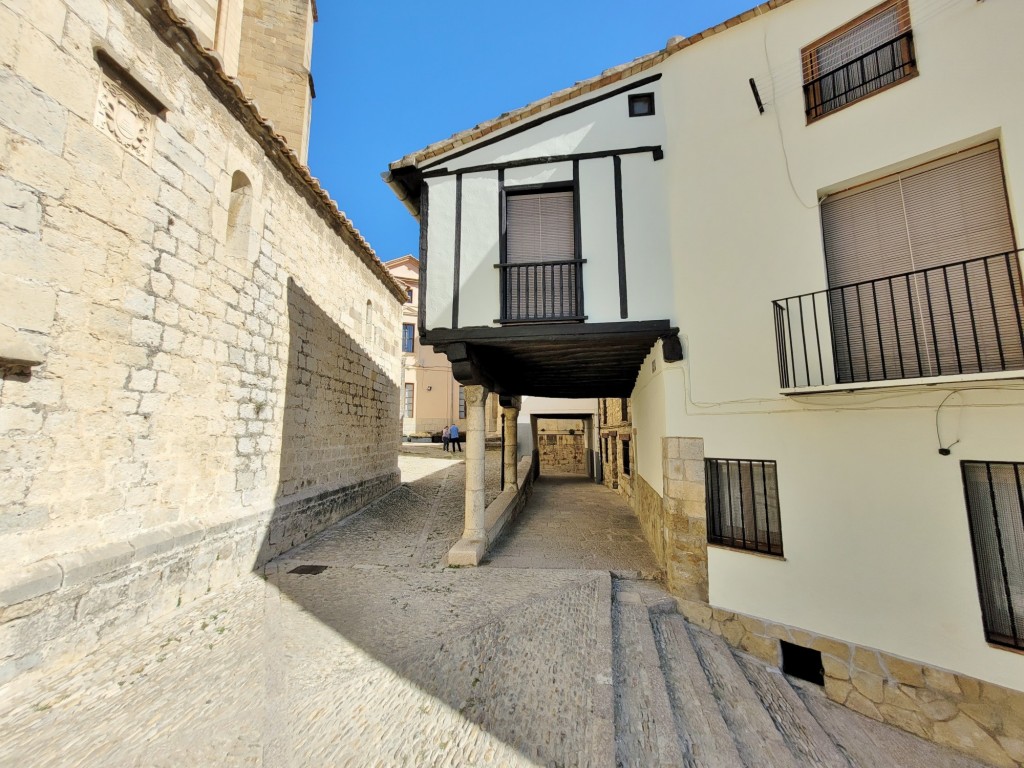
{"points": [[739, 237]]}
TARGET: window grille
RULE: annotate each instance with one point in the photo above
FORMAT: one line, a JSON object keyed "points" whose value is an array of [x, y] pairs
{"points": [[408, 336], [409, 389], [924, 280], [872, 52], [743, 504], [462, 402], [994, 492]]}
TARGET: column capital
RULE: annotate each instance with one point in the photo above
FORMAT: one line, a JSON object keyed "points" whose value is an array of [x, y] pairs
{"points": [[476, 394]]}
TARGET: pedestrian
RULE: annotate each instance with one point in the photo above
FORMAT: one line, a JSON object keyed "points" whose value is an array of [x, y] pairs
{"points": [[445, 438], [453, 435]]}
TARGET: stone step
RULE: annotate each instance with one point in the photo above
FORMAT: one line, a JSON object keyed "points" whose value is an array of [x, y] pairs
{"points": [[799, 728], [645, 733], [702, 731], [870, 744], [757, 738]]}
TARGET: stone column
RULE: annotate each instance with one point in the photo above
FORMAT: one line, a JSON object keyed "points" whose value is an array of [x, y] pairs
{"points": [[511, 457], [686, 528], [471, 548]]}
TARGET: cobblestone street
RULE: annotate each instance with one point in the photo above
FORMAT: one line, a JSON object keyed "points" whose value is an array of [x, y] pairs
{"points": [[360, 648], [384, 658]]}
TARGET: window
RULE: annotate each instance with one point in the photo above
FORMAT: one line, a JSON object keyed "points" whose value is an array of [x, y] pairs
{"points": [[408, 334], [920, 277], [624, 408], [994, 492], [641, 104], [408, 294], [409, 396], [743, 504], [368, 322], [625, 457], [871, 53], [462, 402], [541, 277]]}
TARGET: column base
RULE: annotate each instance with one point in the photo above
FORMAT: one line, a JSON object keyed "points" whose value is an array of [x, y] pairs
{"points": [[467, 552]]}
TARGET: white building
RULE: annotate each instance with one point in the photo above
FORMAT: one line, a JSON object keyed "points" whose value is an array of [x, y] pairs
{"points": [[820, 199]]}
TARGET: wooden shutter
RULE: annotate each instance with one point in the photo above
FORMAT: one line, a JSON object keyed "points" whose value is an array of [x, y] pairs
{"points": [[540, 229]]}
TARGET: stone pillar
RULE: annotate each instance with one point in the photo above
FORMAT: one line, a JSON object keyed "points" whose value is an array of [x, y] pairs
{"points": [[492, 410], [686, 530], [511, 457], [471, 548]]}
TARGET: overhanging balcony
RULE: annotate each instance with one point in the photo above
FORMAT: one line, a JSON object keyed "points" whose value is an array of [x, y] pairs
{"points": [[952, 320]]}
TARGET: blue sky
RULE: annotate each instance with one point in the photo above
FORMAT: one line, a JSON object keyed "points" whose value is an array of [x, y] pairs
{"points": [[393, 76]]}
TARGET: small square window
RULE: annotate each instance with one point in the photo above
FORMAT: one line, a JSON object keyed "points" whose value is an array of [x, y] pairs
{"points": [[641, 104]]}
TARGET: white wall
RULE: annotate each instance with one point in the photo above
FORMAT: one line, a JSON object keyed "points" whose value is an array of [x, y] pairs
{"points": [[601, 127], [874, 520]]}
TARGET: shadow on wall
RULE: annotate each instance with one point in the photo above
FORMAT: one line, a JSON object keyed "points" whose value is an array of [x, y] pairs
{"points": [[339, 442]]}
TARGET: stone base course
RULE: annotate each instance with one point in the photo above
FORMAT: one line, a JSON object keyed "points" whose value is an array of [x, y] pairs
{"points": [[954, 710], [63, 607]]}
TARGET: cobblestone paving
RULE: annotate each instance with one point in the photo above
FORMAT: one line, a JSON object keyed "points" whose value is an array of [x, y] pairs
{"points": [[385, 658], [573, 522]]}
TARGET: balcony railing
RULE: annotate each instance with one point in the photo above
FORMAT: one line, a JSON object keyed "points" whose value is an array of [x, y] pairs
{"points": [[879, 67], [545, 291], [955, 319]]}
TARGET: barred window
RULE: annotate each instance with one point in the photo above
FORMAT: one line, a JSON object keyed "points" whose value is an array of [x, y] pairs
{"points": [[743, 504], [625, 457], [994, 491], [462, 402]]}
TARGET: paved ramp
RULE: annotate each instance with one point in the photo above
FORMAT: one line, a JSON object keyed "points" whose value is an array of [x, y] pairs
{"points": [[573, 522]]}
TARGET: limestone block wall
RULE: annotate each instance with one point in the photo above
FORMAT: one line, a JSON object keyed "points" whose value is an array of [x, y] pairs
{"points": [[562, 446], [219, 347], [274, 64], [957, 711]]}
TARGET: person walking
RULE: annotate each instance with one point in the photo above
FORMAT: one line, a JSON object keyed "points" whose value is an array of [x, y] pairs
{"points": [[453, 435], [445, 438]]}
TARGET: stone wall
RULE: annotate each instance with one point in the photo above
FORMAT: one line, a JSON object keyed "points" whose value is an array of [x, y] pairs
{"points": [[562, 447], [274, 64], [209, 389], [975, 717], [649, 509]]}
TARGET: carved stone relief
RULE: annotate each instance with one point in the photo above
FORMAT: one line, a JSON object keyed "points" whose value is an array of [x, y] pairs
{"points": [[125, 119]]}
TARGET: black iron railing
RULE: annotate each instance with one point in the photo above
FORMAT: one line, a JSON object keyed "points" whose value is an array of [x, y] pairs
{"points": [[879, 67], [955, 319], [545, 291], [743, 504], [994, 492]]}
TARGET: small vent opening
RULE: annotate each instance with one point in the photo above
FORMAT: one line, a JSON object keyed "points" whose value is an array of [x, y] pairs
{"points": [[309, 570], [802, 663]]}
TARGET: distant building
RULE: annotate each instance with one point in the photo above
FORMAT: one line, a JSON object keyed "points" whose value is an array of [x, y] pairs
{"points": [[430, 397]]}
